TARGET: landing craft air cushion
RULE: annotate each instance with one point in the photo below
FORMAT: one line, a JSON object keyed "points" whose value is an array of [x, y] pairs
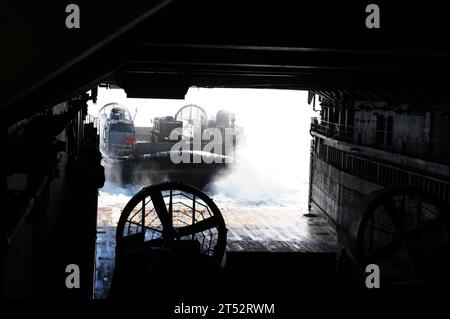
{"points": [[144, 155]]}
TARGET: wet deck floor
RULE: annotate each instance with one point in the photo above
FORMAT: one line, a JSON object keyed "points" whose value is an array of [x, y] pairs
{"points": [[249, 229]]}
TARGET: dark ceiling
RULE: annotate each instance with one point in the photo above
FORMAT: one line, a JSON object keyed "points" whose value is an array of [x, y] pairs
{"points": [[160, 48]]}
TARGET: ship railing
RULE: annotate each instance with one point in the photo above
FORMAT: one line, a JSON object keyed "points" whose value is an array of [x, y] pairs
{"points": [[384, 173], [334, 130], [419, 147]]}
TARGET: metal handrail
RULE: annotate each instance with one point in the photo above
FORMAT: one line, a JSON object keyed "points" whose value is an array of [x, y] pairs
{"points": [[382, 139], [382, 172]]}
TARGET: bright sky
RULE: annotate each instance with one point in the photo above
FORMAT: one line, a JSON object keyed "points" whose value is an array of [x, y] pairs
{"points": [[248, 103], [276, 124]]}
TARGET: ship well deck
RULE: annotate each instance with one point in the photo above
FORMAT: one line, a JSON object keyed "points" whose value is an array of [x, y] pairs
{"points": [[263, 230]]}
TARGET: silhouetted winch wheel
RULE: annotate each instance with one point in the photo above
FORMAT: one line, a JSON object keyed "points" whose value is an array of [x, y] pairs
{"points": [[405, 232], [163, 214]]}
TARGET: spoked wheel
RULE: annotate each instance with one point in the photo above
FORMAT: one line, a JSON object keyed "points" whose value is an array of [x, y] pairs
{"points": [[405, 232], [193, 117], [164, 214]]}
